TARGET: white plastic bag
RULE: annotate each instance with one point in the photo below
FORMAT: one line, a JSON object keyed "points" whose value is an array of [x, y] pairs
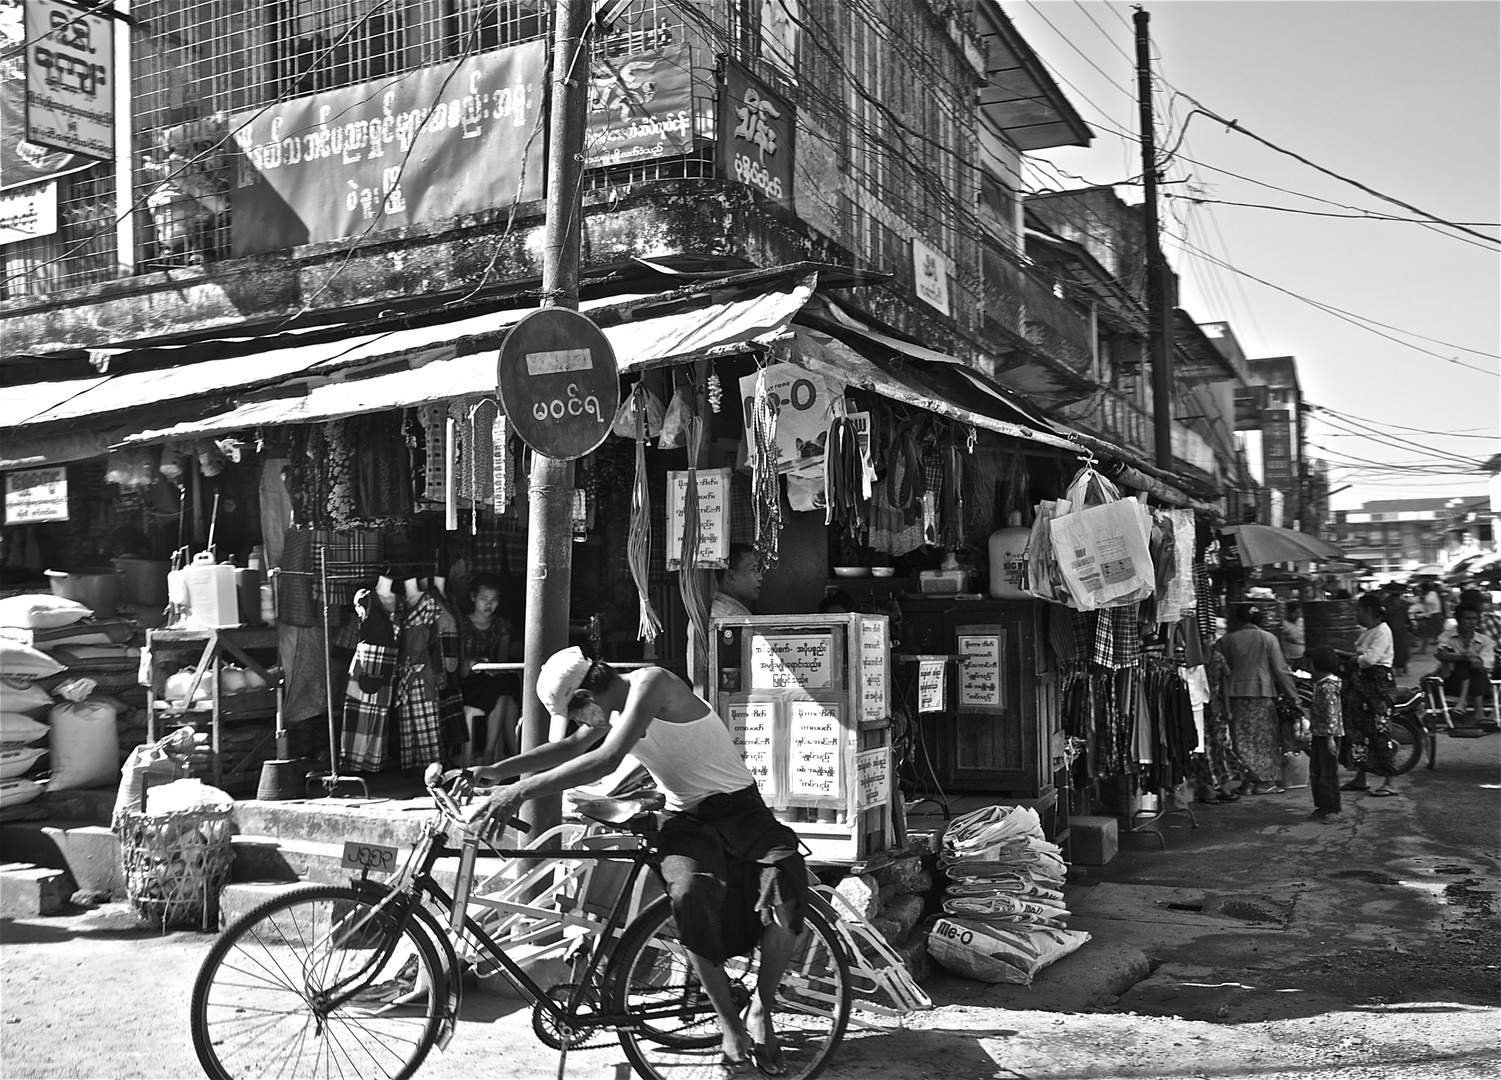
{"points": [[85, 748], [182, 795], [675, 423], [1104, 555], [999, 952]]}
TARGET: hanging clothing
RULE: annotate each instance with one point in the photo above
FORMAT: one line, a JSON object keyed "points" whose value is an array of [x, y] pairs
{"points": [[419, 683], [367, 699]]}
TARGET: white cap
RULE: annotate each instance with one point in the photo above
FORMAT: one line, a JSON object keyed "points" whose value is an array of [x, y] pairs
{"points": [[561, 675]]}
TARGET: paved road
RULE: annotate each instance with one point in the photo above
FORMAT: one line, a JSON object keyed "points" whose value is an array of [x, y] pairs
{"points": [[1362, 949]]}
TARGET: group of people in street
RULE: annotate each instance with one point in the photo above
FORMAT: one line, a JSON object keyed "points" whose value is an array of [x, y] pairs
{"points": [[1258, 714]]}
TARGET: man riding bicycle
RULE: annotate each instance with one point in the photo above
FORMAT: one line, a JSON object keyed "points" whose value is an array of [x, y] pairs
{"points": [[733, 871]]}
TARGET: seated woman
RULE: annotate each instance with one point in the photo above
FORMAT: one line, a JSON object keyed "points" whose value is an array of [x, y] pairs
{"points": [[486, 637]]}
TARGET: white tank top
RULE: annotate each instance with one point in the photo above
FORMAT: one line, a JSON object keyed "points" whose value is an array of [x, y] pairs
{"points": [[693, 760]]}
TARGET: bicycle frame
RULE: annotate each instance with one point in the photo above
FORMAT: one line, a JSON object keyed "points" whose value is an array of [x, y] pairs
{"points": [[415, 881]]}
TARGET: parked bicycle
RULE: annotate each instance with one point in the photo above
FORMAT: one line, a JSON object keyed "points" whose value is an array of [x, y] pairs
{"points": [[363, 981]]}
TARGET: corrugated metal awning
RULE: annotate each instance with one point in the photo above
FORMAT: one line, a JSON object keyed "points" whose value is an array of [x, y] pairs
{"points": [[645, 343]]}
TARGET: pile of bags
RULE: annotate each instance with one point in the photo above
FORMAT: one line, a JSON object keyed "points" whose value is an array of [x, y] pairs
{"points": [[1091, 549], [1004, 915]]}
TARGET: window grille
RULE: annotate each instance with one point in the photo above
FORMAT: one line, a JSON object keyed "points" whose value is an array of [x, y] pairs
{"points": [[81, 252]]}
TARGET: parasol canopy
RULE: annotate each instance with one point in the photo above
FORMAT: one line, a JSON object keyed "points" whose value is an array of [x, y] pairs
{"points": [[1262, 544], [1432, 569]]}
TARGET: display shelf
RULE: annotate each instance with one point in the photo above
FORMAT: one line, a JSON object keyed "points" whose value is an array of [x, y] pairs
{"points": [[227, 768]]}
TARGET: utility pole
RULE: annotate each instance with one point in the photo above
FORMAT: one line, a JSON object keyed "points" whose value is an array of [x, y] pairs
{"points": [[549, 538], [1159, 292]]}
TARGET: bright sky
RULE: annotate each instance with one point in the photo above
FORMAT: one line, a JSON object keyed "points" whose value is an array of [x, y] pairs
{"points": [[1404, 97]]}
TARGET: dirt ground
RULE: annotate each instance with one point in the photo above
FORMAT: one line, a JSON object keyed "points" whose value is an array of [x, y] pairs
{"points": [[1277, 947]]}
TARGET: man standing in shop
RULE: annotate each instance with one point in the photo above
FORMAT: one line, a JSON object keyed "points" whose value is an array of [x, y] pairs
{"points": [[737, 588]]}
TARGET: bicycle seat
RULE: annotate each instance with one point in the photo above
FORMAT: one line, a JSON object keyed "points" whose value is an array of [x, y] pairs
{"points": [[621, 808]]}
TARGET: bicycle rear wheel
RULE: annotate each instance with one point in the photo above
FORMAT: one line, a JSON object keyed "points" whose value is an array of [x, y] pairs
{"points": [[318, 982], [1407, 733], [676, 1035]]}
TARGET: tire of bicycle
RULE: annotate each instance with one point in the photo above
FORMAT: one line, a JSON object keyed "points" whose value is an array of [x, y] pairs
{"points": [[1409, 738], [250, 1012], [651, 969]]}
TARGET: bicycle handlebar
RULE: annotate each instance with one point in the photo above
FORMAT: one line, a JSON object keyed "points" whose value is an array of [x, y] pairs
{"points": [[449, 788]]}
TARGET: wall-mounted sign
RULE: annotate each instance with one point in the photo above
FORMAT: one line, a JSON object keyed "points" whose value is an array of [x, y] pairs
{"points": [[932, 683], [22, 162], [28, 212], [751, 726], [814, 759], [713, 517], [640, 103], [558, 383], [36, 495], [980, 683], [756, 126], [872, 777], [786, 661], [930, 275], [435, 143], [70, 79], [875, 655]]}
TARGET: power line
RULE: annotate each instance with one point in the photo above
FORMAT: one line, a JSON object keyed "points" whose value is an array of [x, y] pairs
{"points": [[1349, 317], [1319, 213], [1234, 125], [1403, 427]]}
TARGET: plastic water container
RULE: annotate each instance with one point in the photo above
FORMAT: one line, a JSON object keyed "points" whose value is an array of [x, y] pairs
{"points": [[1008, 560], [213, 600]]}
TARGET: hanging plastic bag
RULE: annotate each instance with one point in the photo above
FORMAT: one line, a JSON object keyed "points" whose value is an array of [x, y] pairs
{"points": [[1089, 488], [675, 423], [643, 402], [1103, 553]]}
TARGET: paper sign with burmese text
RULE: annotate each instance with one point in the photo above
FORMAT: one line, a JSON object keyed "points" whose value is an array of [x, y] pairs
{"points": [[814, 758]]}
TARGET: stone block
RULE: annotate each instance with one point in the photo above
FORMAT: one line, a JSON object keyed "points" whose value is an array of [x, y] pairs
{"points": [[888, 890], [923, 883], [914, 954], [1093, 841], [901, 871], [238, 897], [27, 891], [862, 892], [92, 854], [905, 911], [889, 929]]}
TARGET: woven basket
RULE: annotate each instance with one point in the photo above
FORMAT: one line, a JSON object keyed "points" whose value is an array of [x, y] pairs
{"points": [[175, 864]]}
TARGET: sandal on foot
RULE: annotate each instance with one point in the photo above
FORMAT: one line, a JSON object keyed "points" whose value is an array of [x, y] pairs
{"points": [[1353, 786], [729, 1067], [1384, 793], [768, 1058]]}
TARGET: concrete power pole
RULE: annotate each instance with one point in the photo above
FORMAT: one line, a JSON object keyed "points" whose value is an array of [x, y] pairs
{"points": [[1159, 292], [549, 559]]}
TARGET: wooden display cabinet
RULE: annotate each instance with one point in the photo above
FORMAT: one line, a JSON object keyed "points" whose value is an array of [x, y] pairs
{"points": [[808, 699]]}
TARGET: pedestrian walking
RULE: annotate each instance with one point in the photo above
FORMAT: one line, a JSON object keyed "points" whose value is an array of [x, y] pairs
{"points": [[1257, 672], [1396, 605]]}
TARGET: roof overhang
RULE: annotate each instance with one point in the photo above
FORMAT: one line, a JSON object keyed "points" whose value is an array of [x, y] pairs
{"points": [[1020, 98]]}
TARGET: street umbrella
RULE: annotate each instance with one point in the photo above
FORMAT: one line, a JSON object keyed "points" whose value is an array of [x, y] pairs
{"points": [[1262, 544], [1432, 569]]}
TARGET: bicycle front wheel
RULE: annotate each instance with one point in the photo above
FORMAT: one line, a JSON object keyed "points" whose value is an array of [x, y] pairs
{"points": [[318, 982], [675, 1034]]}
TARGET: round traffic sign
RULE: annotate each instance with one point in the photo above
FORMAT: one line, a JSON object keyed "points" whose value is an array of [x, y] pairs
{"points": [[558, 382]]}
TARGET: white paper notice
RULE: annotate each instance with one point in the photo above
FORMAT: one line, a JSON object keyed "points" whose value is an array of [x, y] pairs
{"points": [[872, 777], [874, 656], [932, 677], [713, 517], [980, 684], [751, 727], [782, 661], [814, 766]]}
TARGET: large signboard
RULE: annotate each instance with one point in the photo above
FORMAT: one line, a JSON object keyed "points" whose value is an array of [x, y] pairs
{"points": [[640, 104], [36, 495], [756, 127], [802, 418], [22, 162], [29, 212], [452, 139], [70, 79], [1277, 449]]}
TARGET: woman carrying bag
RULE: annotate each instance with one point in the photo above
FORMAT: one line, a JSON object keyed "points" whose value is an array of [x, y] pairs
{"points": [[1257, 671]]}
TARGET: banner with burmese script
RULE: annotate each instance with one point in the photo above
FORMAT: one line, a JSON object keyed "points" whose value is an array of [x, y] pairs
{"points": [[455, 138]]}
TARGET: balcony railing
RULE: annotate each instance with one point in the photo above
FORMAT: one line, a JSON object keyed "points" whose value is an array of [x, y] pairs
{"points": [[1031, 308]]}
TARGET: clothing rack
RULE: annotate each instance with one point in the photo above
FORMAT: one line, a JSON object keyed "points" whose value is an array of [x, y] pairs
{"points": [[1165, 801], [340, 572]]}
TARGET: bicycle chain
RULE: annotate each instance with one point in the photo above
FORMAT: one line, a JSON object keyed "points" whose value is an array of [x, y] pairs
{"points": [[544, 1025]]}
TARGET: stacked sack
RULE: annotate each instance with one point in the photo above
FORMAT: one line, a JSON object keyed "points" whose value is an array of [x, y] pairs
{"points": [[82, 750], [1004, 914]]}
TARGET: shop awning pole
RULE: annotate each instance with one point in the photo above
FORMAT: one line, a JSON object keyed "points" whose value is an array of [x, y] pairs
{"points": [[549, 541]]}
